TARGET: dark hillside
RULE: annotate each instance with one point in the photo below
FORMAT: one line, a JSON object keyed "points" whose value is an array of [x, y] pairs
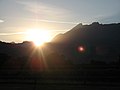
{"points": [[84, 58], [95, 38]]}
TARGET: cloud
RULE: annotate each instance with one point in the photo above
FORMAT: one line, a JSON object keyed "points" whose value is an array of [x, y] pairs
{"points": [[45, 11], [1, 21], [51, 21], [7, 34]]}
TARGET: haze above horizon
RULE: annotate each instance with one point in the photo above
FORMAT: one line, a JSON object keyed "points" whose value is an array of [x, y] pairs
{"points": [[55, 16]]}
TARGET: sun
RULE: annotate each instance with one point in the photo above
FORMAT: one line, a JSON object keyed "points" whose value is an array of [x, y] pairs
{"points": [[38, 37]]}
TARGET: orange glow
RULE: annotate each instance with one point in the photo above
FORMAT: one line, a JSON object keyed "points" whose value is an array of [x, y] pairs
{"points": [[36, 64]]}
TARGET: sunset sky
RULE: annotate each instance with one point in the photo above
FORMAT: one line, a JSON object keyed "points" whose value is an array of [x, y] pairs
{"points": [[56, 16]]}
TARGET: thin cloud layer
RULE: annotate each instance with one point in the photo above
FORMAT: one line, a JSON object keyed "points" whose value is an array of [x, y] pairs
{"points": [[1, 21], [51, 21], [45, 11], [7, 34]]}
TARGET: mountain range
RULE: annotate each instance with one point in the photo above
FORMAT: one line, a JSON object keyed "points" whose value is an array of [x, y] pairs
{"points": [[99, 41], [81, 44]]}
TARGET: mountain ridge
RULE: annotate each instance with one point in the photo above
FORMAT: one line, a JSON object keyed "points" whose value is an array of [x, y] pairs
{"points": [[105, 37], [81, 44]]}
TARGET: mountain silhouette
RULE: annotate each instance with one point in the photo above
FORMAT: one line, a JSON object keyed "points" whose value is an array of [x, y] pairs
{"points": [[86, 57], [81, 44], [100, 41]]}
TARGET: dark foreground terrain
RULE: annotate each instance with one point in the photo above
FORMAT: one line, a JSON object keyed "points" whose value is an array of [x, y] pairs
{"points": [[85, 58], [84, 77]]}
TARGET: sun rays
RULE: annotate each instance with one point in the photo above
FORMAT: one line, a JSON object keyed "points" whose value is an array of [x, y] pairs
{"points": [[39, 37]]}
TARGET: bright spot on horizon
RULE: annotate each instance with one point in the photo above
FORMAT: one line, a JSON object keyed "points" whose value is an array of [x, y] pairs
{"points": [[38, 36]]}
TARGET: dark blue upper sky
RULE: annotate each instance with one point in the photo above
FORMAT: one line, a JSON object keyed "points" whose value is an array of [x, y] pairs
{"points": [[58, 16]]}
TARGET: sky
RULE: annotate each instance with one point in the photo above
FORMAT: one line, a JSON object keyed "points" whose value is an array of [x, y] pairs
{"points": [[57, 16]]}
